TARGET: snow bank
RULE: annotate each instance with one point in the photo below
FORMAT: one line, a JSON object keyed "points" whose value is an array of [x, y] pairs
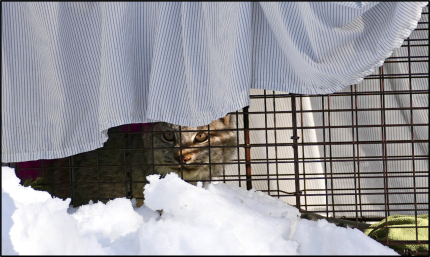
{"points": [[219, 219]]}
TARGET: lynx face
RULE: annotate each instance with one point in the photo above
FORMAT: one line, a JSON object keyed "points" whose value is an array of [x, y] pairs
{"points": [[189, 149]]}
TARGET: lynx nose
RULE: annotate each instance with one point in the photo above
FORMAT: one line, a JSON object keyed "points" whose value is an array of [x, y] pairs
{"points": [[184, 159]]}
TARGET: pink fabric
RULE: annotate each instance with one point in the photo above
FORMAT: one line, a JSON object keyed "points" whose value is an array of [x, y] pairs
{"points": [[33, 169], [26, 170], [137, 127]]}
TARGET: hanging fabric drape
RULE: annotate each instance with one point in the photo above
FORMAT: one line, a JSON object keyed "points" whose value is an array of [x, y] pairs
{"points": [[70, 71]]}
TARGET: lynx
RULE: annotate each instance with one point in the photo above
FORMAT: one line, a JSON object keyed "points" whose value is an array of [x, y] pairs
{"points": [[186, 151], [101, 175]]}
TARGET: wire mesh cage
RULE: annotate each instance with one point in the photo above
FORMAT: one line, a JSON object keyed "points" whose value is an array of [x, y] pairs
{"points": [[360, 155]]}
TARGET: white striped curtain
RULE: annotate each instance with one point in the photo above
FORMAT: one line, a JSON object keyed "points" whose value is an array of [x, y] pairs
{"points": [[70, 71]]}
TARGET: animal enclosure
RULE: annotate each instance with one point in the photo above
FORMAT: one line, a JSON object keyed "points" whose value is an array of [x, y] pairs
{"points": [[361, 154]]}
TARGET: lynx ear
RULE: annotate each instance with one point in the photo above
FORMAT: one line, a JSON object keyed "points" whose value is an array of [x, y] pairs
{"points": [[227, 120]]}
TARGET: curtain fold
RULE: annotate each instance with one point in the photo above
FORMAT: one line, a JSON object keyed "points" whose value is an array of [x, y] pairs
{"points": [[70, 71]]}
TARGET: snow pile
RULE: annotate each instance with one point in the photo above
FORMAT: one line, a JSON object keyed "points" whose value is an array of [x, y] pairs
{"points": [[219, 219]]}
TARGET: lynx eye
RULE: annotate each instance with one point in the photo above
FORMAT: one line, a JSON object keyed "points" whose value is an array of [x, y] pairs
{"points": [[169, 136], [201, 137]]}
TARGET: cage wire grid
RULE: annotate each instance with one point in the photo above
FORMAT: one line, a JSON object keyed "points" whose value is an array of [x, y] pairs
{"points": [[360, 154]]}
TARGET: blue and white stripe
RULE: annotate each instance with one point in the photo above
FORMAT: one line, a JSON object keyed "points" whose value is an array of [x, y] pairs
{"points": [[70, 71]]}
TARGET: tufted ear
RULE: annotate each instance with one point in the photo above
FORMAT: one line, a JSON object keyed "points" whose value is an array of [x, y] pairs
{"points": [[227, 120]]}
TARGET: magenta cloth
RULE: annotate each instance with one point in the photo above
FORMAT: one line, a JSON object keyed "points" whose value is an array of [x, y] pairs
{"points": [[33, 169], [30, 169], [137, 127]]}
